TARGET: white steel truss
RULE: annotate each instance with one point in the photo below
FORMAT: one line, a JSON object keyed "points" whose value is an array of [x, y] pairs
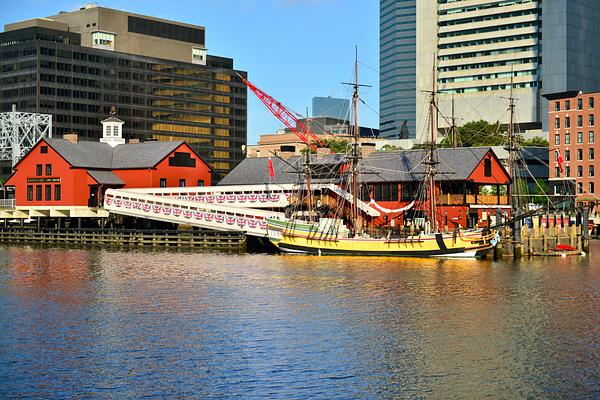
{"points": [[19, 131]]}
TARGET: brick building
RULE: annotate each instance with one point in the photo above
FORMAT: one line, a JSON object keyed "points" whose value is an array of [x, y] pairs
{"points": [[572, 135]]}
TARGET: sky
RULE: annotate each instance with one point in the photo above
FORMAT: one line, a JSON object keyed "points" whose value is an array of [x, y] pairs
{"points": [[293, 50]]}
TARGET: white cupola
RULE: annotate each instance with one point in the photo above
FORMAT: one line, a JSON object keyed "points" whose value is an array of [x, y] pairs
{"points": [[112, 131]]}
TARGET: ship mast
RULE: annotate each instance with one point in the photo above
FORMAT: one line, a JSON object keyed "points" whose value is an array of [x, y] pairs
{"points": [[431, 160], [355, 154], [512, 163]]}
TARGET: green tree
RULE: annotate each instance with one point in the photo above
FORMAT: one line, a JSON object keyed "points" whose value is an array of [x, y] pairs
{"points": [[535, 141], [477, 133], [337, 145], [390, 147]]}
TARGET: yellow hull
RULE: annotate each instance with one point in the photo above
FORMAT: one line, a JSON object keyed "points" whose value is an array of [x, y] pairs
{"points": [[471, 244]]}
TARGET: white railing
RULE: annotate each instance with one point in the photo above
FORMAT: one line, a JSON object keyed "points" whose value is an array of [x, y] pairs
{"points": [[7, 203], [175, 210]]}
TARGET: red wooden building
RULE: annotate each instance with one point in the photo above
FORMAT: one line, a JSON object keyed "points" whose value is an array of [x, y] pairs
{"points": [[67, 178]]}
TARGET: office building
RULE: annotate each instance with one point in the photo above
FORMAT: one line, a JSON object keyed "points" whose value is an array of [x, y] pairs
{"points": [[154, 73], [481, 48], [330, 107]]}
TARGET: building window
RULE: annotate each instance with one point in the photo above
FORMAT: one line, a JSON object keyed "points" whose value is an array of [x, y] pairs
{"points": [[592, 187], [580, 120], [579, 187], [385, 192], [116, 130], [108, 130], [580, 104], [567, 138], [591, 103], [56, 192], [557, 106], [567, 104], [579, 171], [591, 137], [579, 137], [200, 182], [44, 149], [181, 159], [29, 193], [48, 169], [48, 190], [487, 167], [591, 155], [38, 169], [591, 170], [198, 56], [579, 154], [567, 155], [567, 122], [591, 120], [557, 139], [556, 171], [182, 183], [557, 123], [38, 192], [163, 182], [103, 40], [567, 171]]}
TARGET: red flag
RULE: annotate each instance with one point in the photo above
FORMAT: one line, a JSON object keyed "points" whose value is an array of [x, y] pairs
{"points": [[271, 170], [559, 161]]}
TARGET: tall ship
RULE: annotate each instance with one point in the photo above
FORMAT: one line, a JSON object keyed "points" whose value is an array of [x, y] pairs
{"points": [[339, 224]]}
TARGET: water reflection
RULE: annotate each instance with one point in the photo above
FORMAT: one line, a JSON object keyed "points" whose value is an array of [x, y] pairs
{"points": [[79, 323]]}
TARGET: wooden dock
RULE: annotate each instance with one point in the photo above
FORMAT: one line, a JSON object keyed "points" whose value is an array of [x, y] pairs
{"points": [[197, 239]]}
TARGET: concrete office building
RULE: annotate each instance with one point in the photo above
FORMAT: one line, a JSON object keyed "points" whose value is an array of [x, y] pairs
{"points": [[156, 74], [330, 107], [479, 47]]}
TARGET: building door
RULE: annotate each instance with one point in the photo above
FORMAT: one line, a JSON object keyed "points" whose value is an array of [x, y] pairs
{"points": [[93, 200]]}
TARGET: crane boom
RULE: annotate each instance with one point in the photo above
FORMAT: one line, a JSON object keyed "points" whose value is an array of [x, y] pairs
{"points": [[284, 115]]}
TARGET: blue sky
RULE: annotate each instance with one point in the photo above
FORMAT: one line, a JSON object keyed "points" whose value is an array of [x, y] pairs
{"points": [[292, 49]]}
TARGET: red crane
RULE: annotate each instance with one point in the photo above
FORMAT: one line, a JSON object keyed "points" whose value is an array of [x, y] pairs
{"points": [[284, 115]]}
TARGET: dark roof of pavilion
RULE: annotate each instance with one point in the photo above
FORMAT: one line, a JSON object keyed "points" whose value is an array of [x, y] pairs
{"points": [[378, 167]]}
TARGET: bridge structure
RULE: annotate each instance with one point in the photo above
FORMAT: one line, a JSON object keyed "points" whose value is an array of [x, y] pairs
{"points": [[226, 208]]}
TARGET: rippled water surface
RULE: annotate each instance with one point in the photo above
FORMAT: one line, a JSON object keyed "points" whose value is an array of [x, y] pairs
{"points": [[112, 324]]}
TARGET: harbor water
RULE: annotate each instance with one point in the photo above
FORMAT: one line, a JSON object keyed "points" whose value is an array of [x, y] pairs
{"points": [[129, 324]]}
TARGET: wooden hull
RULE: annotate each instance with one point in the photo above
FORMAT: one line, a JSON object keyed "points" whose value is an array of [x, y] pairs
{"points": [[308, 239]]}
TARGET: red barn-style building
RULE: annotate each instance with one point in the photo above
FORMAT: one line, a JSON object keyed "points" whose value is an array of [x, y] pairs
{"points": [[67, 178]]}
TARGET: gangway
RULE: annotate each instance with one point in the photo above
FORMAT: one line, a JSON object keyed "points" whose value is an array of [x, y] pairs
{"points": [[179, 211], [217, 207]]}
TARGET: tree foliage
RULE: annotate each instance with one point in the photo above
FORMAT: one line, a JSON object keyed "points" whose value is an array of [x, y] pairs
{"points": [[483, 133]]}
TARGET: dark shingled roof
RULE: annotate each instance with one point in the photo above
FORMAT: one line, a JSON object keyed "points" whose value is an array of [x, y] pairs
{"points": [[106, 178], [409, 165], [389, 166], [96, 155]]}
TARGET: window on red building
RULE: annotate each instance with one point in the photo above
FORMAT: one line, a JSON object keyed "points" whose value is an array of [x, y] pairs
{"points": [[591, 137], [591, 170], [579, 171], [591, 120], [38, 192], [48, 169], [56, 192], [580, 104], [557, 106], [200, 182], [567, 138], [591, 154], [579, 187], [567, 122], [182, 183], [567, 104], [557, 139], [568, 172], [579, 154], [163, 182], [557, 123], [579, 137], [48, 190], [43, 149], [567, 155], [591, 102], [29, 193], [38, 169], [580, 120], [592, 187], [487, 167]]}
